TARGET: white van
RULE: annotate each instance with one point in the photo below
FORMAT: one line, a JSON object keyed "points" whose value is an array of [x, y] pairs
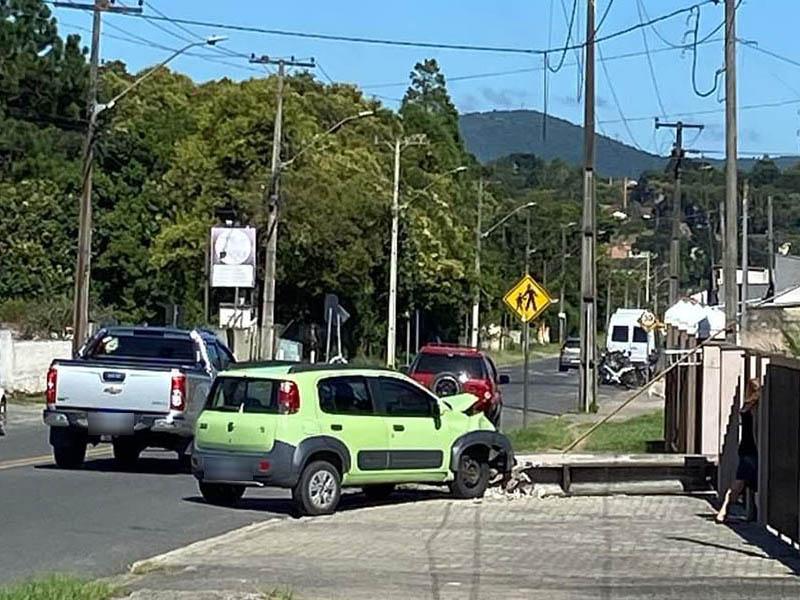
{"points": [[625, 333]]}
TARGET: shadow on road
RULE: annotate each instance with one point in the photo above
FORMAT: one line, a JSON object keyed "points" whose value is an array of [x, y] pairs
{"points": [[351, 500], [146, 465]]}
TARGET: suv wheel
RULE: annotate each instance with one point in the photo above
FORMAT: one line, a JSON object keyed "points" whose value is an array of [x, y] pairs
{"points": [[378, 491], [446, 384], [472, 477], [70, 455], [318, 490], [126, 452], [221, 494]]}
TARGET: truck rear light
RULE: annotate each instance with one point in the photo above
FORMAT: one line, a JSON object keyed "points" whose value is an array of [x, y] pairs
{"points": [[288, 398], [177, 397], [52, 381]]}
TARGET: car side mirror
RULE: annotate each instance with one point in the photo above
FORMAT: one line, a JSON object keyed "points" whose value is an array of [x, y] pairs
{"points": [[404, 369], [503, 379]]}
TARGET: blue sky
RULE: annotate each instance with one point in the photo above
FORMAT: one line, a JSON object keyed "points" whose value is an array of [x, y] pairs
{"points": [[772, 24]]}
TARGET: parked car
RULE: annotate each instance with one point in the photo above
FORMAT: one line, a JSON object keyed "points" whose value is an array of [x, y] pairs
{"points": [[134, 387], [570, 356], [318, 428], [448, 370]]}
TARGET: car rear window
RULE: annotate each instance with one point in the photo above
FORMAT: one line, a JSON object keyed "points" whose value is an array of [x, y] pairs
{"points": [[639, 335], [143, 347], [231, 394], [619, 333], [572, 344], [441, 363]]}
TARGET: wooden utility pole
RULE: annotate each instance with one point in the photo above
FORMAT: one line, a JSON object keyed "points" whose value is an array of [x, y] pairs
{"points": [[745, 252], [272, 192], [730, 250], [587, 399], [677, 212], [771, 247], [83, 269], [476, 294]]}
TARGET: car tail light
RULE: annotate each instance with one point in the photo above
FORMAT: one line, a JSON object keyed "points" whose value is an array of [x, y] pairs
{"points": [[52, 380], [483, 391], [288, 398], [177, 397]]}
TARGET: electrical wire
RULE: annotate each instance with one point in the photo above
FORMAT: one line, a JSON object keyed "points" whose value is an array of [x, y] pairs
{"points": [[564, 51], [605, 15], [616, 99], [754, 46], [717, 73], [710, 111], [578, 55], [324, 73], [653, 78]]}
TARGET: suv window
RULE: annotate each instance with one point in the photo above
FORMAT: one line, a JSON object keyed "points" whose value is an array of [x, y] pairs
{"points": [[345, 396], [440, 363], [619, 333], [143, 346], [231, 394], [213, 356], [639, 335], [572, 343], [400, 399], [492, 369]]}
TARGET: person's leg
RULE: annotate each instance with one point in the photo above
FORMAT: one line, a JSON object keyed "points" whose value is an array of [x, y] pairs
{"points": [[731, 496]]}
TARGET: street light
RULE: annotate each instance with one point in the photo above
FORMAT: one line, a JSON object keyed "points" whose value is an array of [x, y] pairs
{"points": [[80, 309], [391, 337], [332, 129]]}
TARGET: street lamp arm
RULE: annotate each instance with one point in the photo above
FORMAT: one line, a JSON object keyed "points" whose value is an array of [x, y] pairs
{"points": [[110, 104], [489, 231], [332, 129], [436, 179]]}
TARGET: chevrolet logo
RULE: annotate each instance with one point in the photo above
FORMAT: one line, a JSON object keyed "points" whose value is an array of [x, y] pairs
{"points": [[113, 390]]}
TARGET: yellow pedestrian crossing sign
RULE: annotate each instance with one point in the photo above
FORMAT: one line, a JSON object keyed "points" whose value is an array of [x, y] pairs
{"points": [[527, 299]]}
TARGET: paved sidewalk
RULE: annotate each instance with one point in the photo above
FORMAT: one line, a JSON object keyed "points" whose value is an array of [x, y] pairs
{"points": [[597, 547]]}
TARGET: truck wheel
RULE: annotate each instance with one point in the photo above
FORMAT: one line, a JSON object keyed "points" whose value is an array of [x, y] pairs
{"points": [[221, 494], [3, 413], [126, 452], [378, 491], [471, 478], [318, 490], [70, 452]]}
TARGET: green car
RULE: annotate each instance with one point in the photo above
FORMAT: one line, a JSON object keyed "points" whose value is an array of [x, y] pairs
{"points": [[317, 428]]}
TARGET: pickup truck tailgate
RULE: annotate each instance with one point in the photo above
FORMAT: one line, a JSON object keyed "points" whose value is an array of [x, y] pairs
{"points": [[113, 388]]}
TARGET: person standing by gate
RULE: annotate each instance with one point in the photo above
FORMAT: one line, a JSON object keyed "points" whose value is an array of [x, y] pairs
{"points": [[747, 469]]}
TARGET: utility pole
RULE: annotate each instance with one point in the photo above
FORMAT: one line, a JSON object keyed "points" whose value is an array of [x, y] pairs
{"points": [[561, 308], [83, 266], [272, 193], [587, 395], [745, 250], [476, 301], [731, 183], [677, 213], [771, 246], [527, 339], [399, 145]]}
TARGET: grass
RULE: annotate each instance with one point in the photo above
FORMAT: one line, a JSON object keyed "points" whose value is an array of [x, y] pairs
{"points": [[278, 594], [58, 587], [506, 358], [18, 398], [628, 437]]}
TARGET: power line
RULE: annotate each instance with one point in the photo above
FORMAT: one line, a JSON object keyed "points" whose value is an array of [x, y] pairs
{"points": [[653, 78], [564, 51], [605, 14], [616, 99], [717, 73], [754, 46], [710, 111], [417, 44]]}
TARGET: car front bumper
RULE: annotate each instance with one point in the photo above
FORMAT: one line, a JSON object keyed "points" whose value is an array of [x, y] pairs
{"points": [[274, 468]]}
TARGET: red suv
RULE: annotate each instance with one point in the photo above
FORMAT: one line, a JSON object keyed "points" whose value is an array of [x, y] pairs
{"points": [[449, 369]]}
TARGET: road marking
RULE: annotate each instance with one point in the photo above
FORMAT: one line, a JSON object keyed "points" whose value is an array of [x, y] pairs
{"points": [[48, 459]]}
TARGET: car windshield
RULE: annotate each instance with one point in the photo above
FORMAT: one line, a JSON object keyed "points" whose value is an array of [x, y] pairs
{"points": [[231, 394], [114, 346], [452, 363]]}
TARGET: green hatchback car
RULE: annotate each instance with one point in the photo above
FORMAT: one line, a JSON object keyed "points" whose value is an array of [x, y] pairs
{"points": [[315, 429]]}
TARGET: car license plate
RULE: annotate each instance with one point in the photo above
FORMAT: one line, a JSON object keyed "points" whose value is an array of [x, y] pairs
{"points": [[227, 469]]}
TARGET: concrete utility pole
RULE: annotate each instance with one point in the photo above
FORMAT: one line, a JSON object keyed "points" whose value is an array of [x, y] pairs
{"points": [[562, 325], [526, 349], [730, 249], [677, 212], [588, 371], [83, 269], [771, 246], [399, 144], [476, 301], [745, 252], [272, 193]]}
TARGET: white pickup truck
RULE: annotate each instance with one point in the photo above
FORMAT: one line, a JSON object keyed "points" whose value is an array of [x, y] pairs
{"points": [[135, 387]]}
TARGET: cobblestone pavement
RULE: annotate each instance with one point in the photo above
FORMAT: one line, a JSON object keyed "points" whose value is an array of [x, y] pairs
{"points": [[554, 548]]}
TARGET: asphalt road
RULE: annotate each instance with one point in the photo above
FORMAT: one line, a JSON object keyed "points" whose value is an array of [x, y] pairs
{"points": [[98, 520]]}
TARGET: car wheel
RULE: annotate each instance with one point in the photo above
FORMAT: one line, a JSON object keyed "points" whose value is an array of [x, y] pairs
{"points": [[471, 478], [496, 415], [379, 491], [318, 490], [3, 414], [562, 368], [71, 452], [221, 494], [446, 384], [126, 452]]}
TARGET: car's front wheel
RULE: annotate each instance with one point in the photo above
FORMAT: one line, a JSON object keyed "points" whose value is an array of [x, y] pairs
{"points": [[471, 478], [318, 490], [221, 494]]}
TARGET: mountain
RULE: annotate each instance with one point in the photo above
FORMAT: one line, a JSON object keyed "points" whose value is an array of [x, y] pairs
{"points": [[495, 134]]}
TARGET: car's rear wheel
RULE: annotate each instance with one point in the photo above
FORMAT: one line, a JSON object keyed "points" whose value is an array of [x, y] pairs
{"points": [[318, 490], [495, 415], [221, 494], [562, 368], [69, 447], [126, 452], [471, 478], [379, 491]]}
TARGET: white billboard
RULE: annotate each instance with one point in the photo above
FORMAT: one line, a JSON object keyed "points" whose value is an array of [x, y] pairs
{"points": [[233, 257]]}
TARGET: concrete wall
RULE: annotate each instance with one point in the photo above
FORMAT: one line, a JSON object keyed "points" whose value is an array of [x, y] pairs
{"points": [[23, 364]]}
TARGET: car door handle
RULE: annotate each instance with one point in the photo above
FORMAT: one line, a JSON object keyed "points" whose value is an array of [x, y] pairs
{"points": [[398, 428], [336, 427]]}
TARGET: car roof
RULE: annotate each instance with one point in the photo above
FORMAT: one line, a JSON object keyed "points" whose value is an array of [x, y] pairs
{"points": [[291, 370], [450, 350]]}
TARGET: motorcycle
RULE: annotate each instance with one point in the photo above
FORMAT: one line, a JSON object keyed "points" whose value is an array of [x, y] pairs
{"points": [[616, 368]]}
